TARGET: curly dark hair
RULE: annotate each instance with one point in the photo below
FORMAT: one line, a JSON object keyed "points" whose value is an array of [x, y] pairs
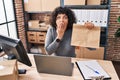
{"points": [[63, 10]]}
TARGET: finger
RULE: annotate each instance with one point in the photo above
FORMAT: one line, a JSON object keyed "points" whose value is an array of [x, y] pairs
{"points": [[89, 25]]}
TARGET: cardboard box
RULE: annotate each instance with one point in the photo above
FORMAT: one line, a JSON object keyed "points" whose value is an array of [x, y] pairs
{"points": [[32, 36], [8, 70], [93, 2], [41, 37], [50, 6], [83, 52], [33, 24], [40, 5], [33, 6], [74, 2]]}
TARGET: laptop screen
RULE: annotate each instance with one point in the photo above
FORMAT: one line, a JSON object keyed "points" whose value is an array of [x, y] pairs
{"points": [[54, 64]]}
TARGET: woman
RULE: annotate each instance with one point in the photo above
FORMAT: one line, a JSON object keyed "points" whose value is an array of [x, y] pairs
{"points": [[58, 38]]}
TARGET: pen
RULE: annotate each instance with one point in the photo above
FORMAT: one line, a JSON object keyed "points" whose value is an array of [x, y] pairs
{"points": [[92, 69]]}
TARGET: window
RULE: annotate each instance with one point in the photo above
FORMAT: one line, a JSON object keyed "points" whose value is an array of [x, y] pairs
{"points": [[7, 19]]}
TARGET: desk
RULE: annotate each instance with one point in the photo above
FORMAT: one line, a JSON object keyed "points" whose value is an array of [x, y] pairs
{"points": [[32, 73]]}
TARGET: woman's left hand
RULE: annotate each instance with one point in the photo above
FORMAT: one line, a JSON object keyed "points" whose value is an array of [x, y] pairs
{"points": [[89, 25]]}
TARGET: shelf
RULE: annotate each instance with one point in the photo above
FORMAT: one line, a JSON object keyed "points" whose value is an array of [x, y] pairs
{"points": [[37, 30], [47, 12], [88, 6]]}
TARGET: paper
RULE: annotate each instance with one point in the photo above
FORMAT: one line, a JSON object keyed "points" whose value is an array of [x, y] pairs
{"points": [[104, 19], [96, 16], [84, 16], [1, 67], [89, 67], [83, 37], [29, 24], [25, 1]]}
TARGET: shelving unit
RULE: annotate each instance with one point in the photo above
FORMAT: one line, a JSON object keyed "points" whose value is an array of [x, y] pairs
{"points": [[35, 11], [36, 34], [105, 4]]}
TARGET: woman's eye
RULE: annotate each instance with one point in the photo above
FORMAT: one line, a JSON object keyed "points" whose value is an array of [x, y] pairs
{"points": [[65, 17], [62, 17], [58, 17]]}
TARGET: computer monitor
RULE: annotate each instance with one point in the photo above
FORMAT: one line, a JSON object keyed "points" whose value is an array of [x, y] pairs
{"points": [[14, 49]]}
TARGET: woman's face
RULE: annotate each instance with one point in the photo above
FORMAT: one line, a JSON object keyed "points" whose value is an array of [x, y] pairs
{"points": [[62, 20]]}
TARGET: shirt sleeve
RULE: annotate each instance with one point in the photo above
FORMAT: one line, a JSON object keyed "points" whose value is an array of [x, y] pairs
{"points": [[50, 41]]}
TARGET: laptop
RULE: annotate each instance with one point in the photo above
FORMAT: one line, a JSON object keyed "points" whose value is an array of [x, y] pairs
{"points": [[54, 64]]}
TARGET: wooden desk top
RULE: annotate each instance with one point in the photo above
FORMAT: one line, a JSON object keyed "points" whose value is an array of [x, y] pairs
{"points": [[32, 73]]}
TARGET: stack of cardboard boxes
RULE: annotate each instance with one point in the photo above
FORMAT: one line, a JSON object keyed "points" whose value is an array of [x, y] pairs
{"points": [[36, 37]]}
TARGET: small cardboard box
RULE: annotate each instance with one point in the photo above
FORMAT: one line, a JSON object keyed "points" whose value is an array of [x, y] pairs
{"points": [[74, 2], [32, 36], [50, 6], [33, 6], [93, 2], [8, 70], [33, 24], [41, 37], [83, 52]]}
